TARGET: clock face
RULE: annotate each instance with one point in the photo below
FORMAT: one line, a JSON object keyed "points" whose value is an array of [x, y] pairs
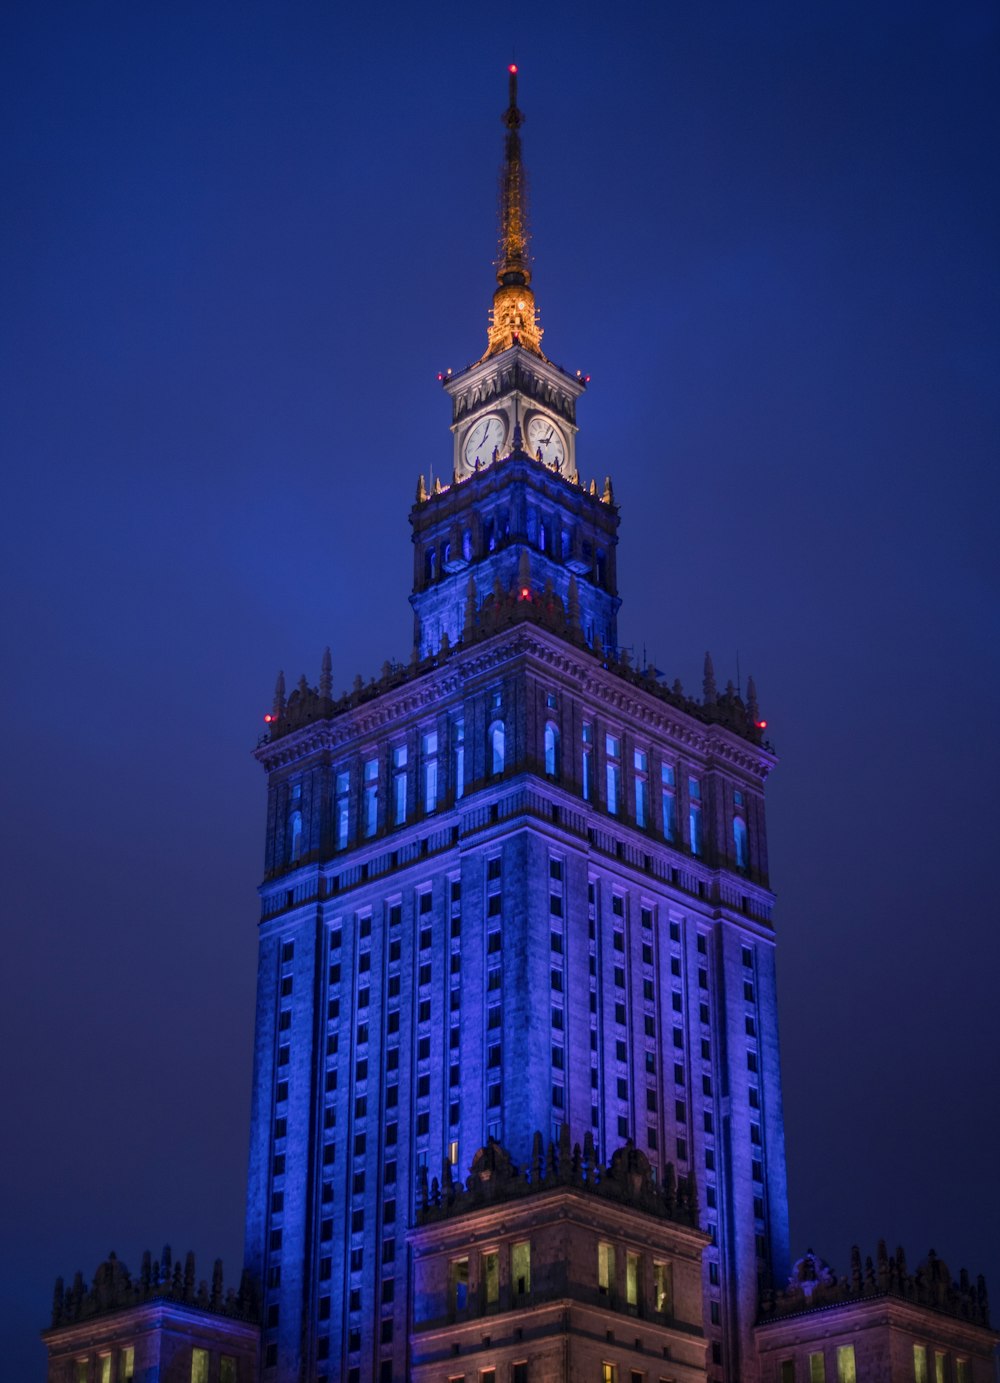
{"points": [[484, 434], [545, 437]]}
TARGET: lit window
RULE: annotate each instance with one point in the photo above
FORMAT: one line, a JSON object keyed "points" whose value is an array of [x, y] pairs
{"points": [[938, 1366], [104, 1368], [430, 748], [605, 1268], [199, 1365], [459, 743], [551, 748], [609, 1373], [846, 1370], [399, 782], [740, 847], [520, 1267], [126, 1365], [371, 797], [490, 1277], [694, 828], [458, 1284], [341, 809], [613, 773], [295, 846], [81, 1371], [962, 1374], [663, 1288], [817, 1367], [632, 1279], [497, 746], [640, 763]]}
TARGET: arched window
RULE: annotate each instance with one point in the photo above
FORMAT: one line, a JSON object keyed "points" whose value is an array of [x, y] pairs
{"points": [[295, 828], [467, 544], [496, 741], [430, 564], [740, 844], [551, 748]]}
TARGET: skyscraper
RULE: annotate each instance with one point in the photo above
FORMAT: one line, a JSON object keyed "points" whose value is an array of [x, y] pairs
{"points": [[514, 885]]}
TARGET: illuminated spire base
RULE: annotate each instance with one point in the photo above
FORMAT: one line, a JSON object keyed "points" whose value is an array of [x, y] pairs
{"points": [[513, 321]]}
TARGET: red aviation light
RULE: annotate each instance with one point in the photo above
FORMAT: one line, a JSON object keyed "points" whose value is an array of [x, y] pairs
{"points": [[512, 69], [525, 593], [268, 719], [761, 724]]}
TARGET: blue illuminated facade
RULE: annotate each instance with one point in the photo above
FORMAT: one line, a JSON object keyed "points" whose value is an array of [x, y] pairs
{"points": [[514, 884]]}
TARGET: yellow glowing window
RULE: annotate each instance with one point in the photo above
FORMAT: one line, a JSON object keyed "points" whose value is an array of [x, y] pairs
{"points": [[491, 1277], [962, 1374], [81, 1371], [846, 1370], [938, 1366], [632, 1279], [817, 1367], [663, 1288], [920, 1363], [605, 1268], [520, 1267], [609, 1373], [126, 1364], [199, 1365], [104, 1368]]}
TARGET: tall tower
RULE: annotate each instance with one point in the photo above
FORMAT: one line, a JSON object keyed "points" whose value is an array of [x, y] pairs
{"points": [[513, 885]]}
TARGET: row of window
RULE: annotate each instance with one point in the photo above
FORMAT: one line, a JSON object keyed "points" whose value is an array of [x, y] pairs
{"points": [[102, 1368], [430, 783]]}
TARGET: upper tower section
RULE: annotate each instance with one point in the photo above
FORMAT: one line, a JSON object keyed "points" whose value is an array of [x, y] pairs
{"points": [[514, 386]]}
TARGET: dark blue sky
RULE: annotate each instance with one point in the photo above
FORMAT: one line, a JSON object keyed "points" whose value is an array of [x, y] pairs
{"points": [[238, 242]]}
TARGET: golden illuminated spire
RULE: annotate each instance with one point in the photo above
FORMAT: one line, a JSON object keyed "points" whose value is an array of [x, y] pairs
{"points": [[513, 318]]}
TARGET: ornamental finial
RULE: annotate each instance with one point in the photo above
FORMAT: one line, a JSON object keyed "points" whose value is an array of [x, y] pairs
{"points": [[513, 319]]}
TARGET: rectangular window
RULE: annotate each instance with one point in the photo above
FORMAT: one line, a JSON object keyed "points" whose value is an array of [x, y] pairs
{"points": [[846, 1370], [430, 749], [458, 1283], [962, 1374], [399, 783], [609, 1373], [694, 828], [632, 1280], [613, 773], [126, 1365], [588, 738], [104, 1368], [519, 1372], [817, 1367], [371, 797], [640, 763], [490, 1277], [663, 1288], [605, 1268], [199, 1365], [520, 1267], [787, 1372], [938, 1366], [342, 809], [459, 743]]}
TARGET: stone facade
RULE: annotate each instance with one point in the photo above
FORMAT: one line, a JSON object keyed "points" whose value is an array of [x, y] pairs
{"points": [[566, 1271], [881, 1324], [160, 1327]]}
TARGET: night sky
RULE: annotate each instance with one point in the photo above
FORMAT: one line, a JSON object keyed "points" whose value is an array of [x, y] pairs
{"points": [[238, 243]]}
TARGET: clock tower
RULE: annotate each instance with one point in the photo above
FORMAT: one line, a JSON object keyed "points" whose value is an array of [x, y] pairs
{"points": [[514, 397]]}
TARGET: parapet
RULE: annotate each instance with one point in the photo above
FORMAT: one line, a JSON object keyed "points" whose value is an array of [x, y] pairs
{"points": [[114, 1289], [813, 1286], [494, 1179]]}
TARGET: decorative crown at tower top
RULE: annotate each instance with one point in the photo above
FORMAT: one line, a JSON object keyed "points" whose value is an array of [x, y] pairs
{"points": [[513, 318]]}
